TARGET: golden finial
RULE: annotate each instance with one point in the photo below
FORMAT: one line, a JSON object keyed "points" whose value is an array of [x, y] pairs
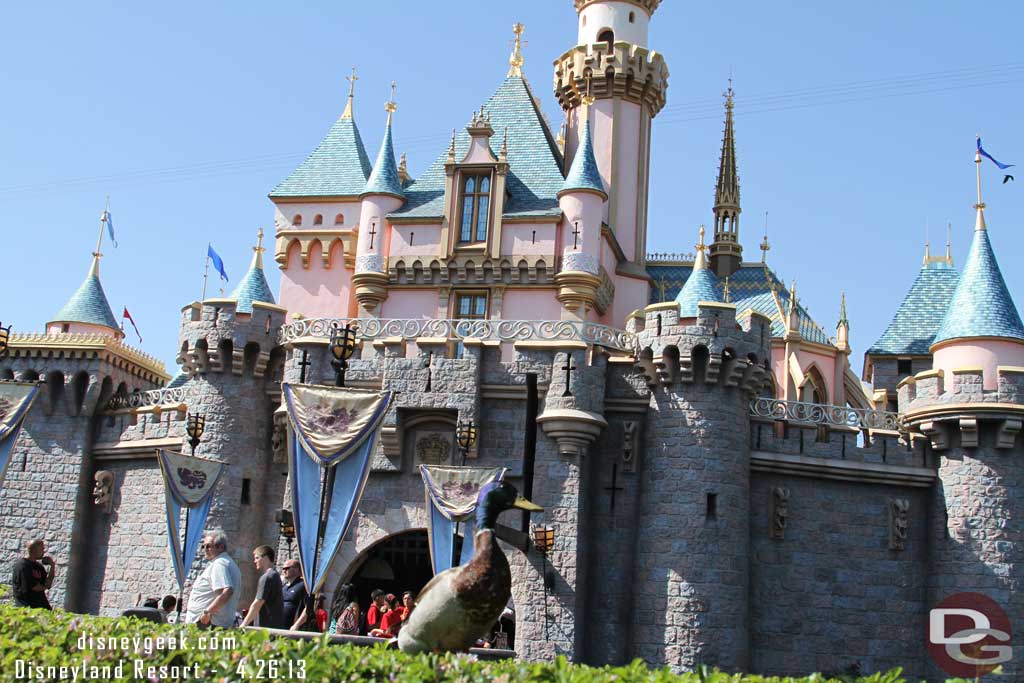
{"points": [[700, 244], [980, 206], [503, 154], [588, 97], [403, 169], [391, 106], [561, 135], [515, 61], [258, 250], [842, 309], [347, 114], [699, 262], [451, 149], [765, 247], [792, 296], [725, 290], [949, 254]]}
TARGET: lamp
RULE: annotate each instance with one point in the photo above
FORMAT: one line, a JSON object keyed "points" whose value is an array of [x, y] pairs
{"points": [[544, 542], [466, 436], [5, 338], [343, 345], [195, 425], [286, 526]]}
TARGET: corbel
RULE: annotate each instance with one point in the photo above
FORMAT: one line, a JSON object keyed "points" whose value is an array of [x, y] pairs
{"points": [[1007, 434], [968, 432]]}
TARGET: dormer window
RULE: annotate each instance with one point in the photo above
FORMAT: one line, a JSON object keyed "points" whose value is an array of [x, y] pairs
{"points": [[475, 203]]}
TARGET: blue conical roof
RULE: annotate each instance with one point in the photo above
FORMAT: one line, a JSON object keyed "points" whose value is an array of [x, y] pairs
{"points": [[913, 327], [700, 286], [253, 286], [384, 177], [981, 305], [89, 303], [583, 174], [338, 166]]}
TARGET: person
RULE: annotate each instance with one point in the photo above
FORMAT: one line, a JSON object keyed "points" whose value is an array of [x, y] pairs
{"points": [[31, 579], [214, 597], [377, 609], [267, 608], [345, 612], [167, 606], [320, 613], [293, 591], [408, 602], [392, 619]]}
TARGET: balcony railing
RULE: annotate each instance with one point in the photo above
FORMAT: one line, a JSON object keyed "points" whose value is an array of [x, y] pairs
{"points": [[500, 330], [154, 397], [826, 415]]}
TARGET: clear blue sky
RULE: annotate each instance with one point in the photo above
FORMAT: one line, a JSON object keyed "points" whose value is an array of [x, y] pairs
{"points": [[855, 126]]}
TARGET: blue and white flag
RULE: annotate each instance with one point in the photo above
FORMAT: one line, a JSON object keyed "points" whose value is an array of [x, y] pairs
{"points": [[218, 263], [452, 494], [189, 483], [15, 400], [106, 220], [333, 434], [988, 156]]}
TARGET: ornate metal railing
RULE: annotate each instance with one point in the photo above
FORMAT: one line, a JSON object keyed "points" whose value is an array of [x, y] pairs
{"points": [[155, 397], [670, 256], [816, 413], [501, 330]]}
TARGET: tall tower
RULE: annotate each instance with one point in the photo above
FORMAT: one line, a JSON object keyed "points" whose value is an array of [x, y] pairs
{"points": [[611, 63], [726, 251]]}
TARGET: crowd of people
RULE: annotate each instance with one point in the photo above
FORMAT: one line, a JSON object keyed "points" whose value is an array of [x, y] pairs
{"points": [[279, 602]]}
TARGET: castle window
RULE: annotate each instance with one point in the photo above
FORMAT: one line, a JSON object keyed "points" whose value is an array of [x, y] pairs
{"points": [[471, 306], [65, 328], [246, 488], [475, 202], [339, 219], [606, 36], [297, 219], [632, 17], [318, 220], [711, 507], [903, 367]]}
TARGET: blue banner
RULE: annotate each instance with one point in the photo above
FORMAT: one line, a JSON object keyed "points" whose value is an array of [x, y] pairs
{"points": [[451, 496], [15, 400]]}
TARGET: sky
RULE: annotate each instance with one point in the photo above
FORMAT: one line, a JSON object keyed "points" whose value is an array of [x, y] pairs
{"points": [[855, 127]]}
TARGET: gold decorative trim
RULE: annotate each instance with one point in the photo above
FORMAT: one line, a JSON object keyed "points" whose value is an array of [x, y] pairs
{"points": [[285, 238], [959, 340], [638, 75], [35, 344]]}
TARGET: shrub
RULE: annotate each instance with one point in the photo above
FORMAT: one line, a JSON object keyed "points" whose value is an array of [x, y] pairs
{"points": [[34, 641]]}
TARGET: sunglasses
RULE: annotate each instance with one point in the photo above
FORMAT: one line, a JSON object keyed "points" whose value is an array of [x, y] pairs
{"points": [[291, 566]]}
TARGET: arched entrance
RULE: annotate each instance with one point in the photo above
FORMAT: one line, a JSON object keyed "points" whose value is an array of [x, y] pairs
{"points": [[396, 564]]}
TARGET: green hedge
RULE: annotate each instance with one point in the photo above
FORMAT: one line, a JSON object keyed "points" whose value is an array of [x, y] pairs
{"points": [[39, 639]]}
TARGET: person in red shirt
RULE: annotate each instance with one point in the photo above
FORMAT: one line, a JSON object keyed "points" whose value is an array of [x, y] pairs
{"points": [[376, 611], [392, 619]]}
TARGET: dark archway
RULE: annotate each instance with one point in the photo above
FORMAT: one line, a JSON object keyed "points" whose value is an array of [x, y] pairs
{"points": [[396, 564]]}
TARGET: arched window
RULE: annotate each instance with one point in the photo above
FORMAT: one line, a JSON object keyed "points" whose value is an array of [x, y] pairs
{"points": [[297, 219], [606, 36], [318, 219], [632, 17], [476, 195], [339, 219]]}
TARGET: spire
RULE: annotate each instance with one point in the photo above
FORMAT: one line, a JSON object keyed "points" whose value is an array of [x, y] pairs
{"points": [[927, 252], [937, 261], [451, 149], [843, 326], [701, 285], [384, 177], [347, 114], [583, 174], [253, 287], [842, 310], [979, 223], [515, 60], [403, 170], [89, 303], [765, 247], [726, 251]]}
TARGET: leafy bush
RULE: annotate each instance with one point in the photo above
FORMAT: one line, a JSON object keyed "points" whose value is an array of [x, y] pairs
{"points": [[34, 642]]}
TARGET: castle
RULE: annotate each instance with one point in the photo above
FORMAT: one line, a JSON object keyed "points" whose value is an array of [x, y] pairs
{"points": [[723, 489]]}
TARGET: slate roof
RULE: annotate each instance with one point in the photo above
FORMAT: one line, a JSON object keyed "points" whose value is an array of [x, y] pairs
{"points": [[583, 174], [535, 164], [337, 167], [701, 285], [918, 318], [748, 288], [178, 381], [384, 177], [981, 305], [89, 303], [253, 287]]}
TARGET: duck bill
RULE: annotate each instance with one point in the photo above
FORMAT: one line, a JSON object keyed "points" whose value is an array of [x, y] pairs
{"points": [[524, 504]]}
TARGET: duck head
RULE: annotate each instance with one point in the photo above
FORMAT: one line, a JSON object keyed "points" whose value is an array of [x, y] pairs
{"points": [[495, 497]]}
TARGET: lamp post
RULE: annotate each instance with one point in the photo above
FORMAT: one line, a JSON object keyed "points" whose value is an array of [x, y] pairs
{"points": [[5, 339], [544, 542], [466, 435], [343, 345], [195, 425], [286, 526]]}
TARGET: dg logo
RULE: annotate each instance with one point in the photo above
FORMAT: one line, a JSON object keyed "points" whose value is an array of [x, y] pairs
{"points": [[969, 635]]}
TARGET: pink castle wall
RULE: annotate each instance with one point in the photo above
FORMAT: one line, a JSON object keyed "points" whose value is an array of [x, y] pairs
{"points": [[83, 328], [414, 240], [518, 239], [986, 354], [524, 304], [412, 303], [316, 292]]}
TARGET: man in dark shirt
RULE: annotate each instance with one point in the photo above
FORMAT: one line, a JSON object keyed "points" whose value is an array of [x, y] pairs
{"points": [[268, 603], [294, 591], [31, 580]]}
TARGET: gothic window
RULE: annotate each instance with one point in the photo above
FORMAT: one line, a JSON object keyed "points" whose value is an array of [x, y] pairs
{"points": [[339, 219], [471, 306], [475, 203], [318, 220], [297, 220]]}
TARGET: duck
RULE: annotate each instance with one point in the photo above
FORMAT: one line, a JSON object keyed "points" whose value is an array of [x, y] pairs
{"points": [[460, 605]]}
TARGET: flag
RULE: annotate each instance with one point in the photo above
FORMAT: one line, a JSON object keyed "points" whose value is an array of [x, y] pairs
{"points": [[128, 315], [451, 494], [217, 262], [106, 220], [15, 400], [988, 156]]}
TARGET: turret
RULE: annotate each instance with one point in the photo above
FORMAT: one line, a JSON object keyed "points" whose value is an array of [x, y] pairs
{"points": [[726, 251], [700, 286], [581, 199], [611, 63], [87, 311], [383, 194], [253, 287]]}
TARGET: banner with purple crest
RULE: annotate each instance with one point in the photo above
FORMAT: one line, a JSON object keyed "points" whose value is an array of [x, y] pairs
{"points": [[189, 483], [15, 400], [451, 494], [333, 432]]}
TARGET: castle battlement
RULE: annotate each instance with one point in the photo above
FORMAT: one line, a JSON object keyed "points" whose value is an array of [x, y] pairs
{"points": [[214, 335], [49, 348], [632, 72]]}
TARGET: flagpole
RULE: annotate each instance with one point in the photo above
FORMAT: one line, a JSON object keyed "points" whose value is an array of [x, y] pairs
{"points": [[99, 239], [206, 272]]}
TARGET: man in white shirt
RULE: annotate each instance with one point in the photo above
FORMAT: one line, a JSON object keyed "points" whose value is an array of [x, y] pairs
{"points": [[214, 596]]}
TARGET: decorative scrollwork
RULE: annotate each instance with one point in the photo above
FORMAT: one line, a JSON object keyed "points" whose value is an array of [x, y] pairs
{"points": [[819, 414], [502, 330], [141, 399]]}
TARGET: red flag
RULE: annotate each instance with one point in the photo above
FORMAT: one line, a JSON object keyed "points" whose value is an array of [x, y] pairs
{"points": [[128, 315]]}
